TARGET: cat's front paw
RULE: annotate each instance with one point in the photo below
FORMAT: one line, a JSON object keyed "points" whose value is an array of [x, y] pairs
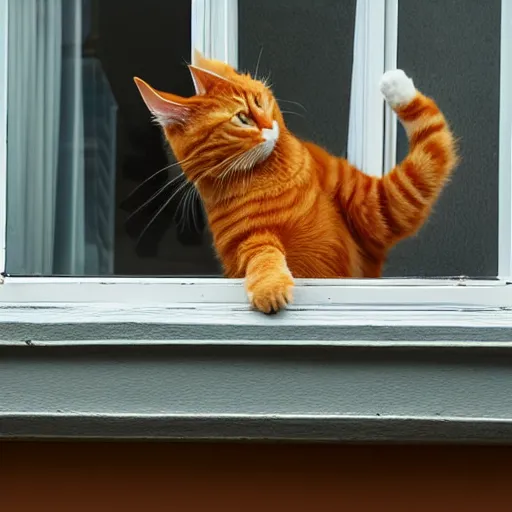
{"points": [[398, 89], [271, 293]]}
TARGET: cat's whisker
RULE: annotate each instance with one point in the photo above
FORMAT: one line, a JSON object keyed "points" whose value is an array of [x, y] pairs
{"points": [[161, 209], [190, 202], [249, 159], [236, 164], [265, 81], [293, 103], [226, 179], [228, 160], [193, 202], [180, 213], [166, 168], [258, 64], [184, 218], [233, 163], [244, 165], [186, 209], [291, 112], [154, 196]]}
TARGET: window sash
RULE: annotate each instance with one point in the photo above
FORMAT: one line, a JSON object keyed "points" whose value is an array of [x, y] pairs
{"points": [[390, 62], [344, 294], [4, 23], [215, 29], [373, 47], [505, 144], [222, 43]]}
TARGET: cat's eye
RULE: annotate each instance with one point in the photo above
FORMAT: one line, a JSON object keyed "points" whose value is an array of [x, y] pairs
{"points": [[243, 118], [257, 102]]}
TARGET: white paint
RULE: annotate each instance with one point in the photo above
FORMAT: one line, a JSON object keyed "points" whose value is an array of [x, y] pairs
{"points": [[3, 129], [364, 344], [215, 30], [390, 62], [370, 295], [231, 314], [505, 144], [398, 89], [366, 121], [406, 282]]}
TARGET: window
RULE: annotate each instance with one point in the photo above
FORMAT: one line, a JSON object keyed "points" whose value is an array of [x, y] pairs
{"points": [[93, 322], [99, 206]]}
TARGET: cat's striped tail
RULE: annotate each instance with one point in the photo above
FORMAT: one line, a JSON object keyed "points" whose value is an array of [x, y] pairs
{"points": [[409, 191], [411, 188], [386, 210]]}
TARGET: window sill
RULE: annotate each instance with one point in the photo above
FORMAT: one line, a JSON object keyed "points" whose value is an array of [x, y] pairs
{"points": [[93, 360]]}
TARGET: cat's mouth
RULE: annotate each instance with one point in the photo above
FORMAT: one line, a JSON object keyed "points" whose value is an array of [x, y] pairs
{"points": [[270, 136]]}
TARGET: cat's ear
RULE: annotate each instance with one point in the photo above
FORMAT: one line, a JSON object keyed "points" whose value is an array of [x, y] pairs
{"points": [[167, 109], [215, 66], [199, 60], [204, 80]]}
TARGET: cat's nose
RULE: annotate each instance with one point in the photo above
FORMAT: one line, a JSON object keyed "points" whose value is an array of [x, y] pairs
{"points": [[267, 123], [264, 121]]}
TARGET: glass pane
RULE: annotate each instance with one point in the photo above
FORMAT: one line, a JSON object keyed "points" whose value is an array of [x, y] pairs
{"points": [[306, 49], [81, 140], [90, 179], [452, 49]]}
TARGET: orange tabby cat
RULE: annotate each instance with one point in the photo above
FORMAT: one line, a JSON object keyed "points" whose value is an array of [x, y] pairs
{"points": [[279, 207]]}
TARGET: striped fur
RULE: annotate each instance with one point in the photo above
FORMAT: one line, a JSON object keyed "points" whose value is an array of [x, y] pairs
{"points": [[292, 209]]}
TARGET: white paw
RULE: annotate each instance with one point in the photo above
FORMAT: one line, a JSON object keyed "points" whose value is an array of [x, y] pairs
{"points": [[397, 88]]}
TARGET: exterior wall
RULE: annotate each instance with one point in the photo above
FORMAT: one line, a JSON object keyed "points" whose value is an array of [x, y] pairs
{"points": [[101, 477]]}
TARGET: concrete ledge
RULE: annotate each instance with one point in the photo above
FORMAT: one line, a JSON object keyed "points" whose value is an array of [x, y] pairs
{"points": [[352, 390]]}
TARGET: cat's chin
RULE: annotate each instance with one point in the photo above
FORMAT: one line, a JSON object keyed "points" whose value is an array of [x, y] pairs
{"points": [[267, 148]]}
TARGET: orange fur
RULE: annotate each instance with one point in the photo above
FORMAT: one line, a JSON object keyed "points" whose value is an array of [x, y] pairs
{"points": [[299, 211]]}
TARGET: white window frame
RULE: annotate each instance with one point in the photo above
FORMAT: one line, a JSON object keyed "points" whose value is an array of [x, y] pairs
{"points": [[215, 30], [505, 144], [3, 131], [417, 315]]}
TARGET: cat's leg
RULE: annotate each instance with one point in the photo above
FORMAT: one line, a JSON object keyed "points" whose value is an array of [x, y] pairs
{"points": [[383, 211], [268, 281]]}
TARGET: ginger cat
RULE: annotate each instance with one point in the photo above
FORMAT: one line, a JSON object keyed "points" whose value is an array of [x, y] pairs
{"points": [[279, 207]]}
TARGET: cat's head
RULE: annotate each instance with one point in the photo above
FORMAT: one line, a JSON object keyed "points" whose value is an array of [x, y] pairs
{"points": [[231, 126]]}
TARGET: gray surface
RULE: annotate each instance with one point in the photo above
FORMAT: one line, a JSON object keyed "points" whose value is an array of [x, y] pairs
{"points": [[257, 380], [307, 48], [452, 50], [122, 371], [316, 393], [375, 429]]}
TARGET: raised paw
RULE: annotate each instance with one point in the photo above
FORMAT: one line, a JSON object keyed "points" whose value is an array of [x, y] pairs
{"points": [[271, 293], [398, 89]]}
